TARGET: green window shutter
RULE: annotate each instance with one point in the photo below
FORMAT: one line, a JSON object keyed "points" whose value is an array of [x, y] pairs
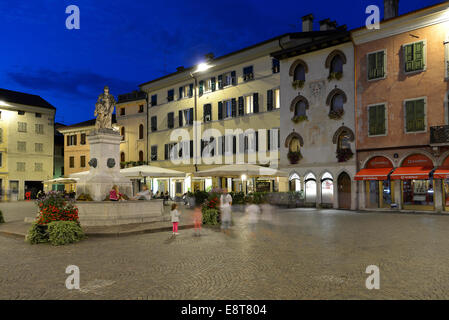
{"points": [[201, 88], [418, 63], [419, 115], [380, 126], [410, 116], [371, 66], [408, 57], [372, 120], [380, 68]]}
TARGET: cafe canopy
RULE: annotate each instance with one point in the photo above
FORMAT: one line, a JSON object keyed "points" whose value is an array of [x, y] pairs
{"points": [[238, 170], [151, 171]]}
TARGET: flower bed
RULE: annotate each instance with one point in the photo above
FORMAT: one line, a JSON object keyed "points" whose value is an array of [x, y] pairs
{"points": [[55, 208]]}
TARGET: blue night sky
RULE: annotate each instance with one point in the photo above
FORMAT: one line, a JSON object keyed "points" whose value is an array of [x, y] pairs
{"points": [[125, 43]]}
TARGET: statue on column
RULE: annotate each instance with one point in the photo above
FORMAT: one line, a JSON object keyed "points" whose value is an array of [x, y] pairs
{"points": [[104, 109]]}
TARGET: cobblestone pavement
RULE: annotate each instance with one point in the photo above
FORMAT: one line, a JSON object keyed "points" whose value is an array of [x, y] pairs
{"points": [[302, 254]]}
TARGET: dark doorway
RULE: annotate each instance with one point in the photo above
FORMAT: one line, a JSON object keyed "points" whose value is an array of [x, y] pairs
{"points": [[34, 187], [344, 191]]}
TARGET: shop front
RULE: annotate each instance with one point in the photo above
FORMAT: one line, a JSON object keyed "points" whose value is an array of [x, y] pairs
{"points": [[442, 173], [416, 181], [379, 191]]}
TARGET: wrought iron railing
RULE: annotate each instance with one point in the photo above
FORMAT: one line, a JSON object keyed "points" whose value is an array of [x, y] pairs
{"points": [[439, 134]]}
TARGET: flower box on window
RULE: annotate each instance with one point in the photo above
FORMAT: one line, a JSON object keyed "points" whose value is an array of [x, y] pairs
{"points": [[335, 75], [299, 119], [344, 155], [336, 114], [294, 156], [298, 84]]}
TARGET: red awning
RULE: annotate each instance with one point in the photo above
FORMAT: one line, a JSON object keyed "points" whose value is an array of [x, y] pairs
{"points": [[373, 174], [441, 173], [411, 173]]}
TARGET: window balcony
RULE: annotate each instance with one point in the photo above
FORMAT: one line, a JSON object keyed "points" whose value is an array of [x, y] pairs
{"points": [[439, 135], [133, 96]]}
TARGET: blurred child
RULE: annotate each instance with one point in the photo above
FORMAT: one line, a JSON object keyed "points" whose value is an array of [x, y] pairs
{"points": [[175, 218], [197, 220]]}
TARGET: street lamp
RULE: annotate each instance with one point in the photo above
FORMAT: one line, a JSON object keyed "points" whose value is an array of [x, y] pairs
{"points": [[201, 67]]}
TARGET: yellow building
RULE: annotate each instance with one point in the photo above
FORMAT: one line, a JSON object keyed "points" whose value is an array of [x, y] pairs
{"points": [[26, 143], [76, 146], [131, 112], [235, 95]]}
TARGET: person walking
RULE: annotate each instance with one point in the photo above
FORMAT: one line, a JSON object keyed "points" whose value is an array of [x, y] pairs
{"points": [[197, 220], [253, 212], [175, 218], [225, 207]]}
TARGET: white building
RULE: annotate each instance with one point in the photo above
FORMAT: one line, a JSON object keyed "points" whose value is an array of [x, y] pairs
{"points": [[26, 143], [317, 115]]}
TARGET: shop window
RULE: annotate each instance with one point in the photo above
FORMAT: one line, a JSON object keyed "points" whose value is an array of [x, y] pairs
{"points": [[418, 192]]}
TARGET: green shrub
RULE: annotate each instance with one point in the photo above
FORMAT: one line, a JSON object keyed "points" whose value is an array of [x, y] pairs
{"points": [[238, 197], [210, 217], [2, 220], [84, 197], [37, 234], [200, 197], [64, 232], [256, 197]]}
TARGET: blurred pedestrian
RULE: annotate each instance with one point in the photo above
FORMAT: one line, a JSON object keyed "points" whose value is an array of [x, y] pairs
{"points": [[226, 211], [253, 212], [175, 218], [197, 219], [267, 216]]}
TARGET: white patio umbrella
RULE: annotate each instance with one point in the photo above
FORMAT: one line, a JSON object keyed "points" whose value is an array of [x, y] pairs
{"points": [[151, 171], [62, 181], [237, 170]]}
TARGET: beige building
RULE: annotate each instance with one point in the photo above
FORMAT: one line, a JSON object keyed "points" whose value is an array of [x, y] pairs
{"points": [[26, 143], [132, 119], [229, 111], [76, 146]]}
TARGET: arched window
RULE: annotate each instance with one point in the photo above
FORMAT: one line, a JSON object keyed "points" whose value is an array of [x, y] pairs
{"points": [[140, 155], [122, 157], [295, 183], [337, 103], [300, 73], [327, 189], [336, 64], [344, 152], [310, 188], [295, 145], [141, 131], [122, 132], [300, 109]]}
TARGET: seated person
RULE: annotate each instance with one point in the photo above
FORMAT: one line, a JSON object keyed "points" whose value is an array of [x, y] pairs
{"points": [[143, 195], [115, 195]]}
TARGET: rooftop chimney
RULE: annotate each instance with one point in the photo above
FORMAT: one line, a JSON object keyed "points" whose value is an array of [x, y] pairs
{"points": [[391, 9], [324, 24], [307, 23], [210, 56], [179, 69], [332, 25]]}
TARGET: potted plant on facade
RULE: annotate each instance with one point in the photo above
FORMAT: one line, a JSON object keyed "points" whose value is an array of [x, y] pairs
{"points": [[294, 156], [335, 75], [336, 114], [344, 154], [299, 119], [298, 84]]}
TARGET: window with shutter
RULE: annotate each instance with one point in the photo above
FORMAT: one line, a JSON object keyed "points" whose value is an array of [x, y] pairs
{"points": [[170, 118], [376, 65], [220, 81], [241, 107], [191, 116], [154, 123], [170, 95], [256, 102], [376, 120], [190, 90], [180, 119], [191, 149], [234, 107], [181, 93], [415, 116], [233, 78], [414, 57], [201, 88], [212, 83], [270, 100], [220, 110]]}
